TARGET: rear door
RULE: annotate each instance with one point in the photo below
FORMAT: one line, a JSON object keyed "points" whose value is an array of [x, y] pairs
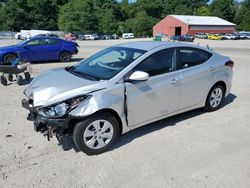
{"points": [[160, 94], [50, 49], [196, 74]]}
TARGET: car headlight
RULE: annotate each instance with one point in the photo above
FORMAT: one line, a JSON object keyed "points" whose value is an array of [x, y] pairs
{"points": [[62, 108]]}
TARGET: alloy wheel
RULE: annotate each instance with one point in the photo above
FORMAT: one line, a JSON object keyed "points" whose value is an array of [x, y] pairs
{"points": [[216, 97]]}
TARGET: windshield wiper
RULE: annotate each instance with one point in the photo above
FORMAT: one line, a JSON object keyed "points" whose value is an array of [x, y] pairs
{"points": [[84, 75]]}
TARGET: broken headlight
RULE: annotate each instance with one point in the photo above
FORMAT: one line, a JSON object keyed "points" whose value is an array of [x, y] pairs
{"points": [[62, 108]]}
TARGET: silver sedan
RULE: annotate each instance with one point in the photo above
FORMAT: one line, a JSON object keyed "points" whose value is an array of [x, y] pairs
{"points": [[124, 87]]}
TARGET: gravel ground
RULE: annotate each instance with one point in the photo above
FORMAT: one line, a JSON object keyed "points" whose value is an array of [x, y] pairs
{"points": [[194, 149]]}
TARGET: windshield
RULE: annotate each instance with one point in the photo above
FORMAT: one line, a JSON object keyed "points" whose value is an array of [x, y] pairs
{"points": [[107, 63]]}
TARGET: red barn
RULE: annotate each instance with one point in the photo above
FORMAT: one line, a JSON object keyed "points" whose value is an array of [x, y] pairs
{"points": [[180, 24]]}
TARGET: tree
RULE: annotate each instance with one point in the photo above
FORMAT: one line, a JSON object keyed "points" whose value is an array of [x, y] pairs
{"points": [[141, 25], [225, 9], [183, 7], [108, 23], [43, 14], [152, 8], [17, 15], [203, 11], [3, 26], [243, 17], [78, 15]]}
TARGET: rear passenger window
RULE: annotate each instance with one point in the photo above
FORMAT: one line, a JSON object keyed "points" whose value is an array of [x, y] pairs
{"points": [[190, 57], [48, 41], [158, 63]]}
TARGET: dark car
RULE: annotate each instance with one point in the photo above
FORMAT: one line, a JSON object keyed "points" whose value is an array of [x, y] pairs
{"points": [[40, 49], [184, 38]]}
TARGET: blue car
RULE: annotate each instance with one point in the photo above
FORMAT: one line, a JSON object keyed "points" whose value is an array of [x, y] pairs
{"points": [[39, 49]]}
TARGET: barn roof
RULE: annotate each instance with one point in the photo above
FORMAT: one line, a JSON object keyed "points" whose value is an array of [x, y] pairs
{"points": [[202, 20]]}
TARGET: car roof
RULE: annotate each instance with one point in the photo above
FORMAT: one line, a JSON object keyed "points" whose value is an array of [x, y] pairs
{"points": [[149, 45]]}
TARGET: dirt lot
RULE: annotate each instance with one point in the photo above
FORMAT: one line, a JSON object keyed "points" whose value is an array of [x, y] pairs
{"points": [[194, 149]]}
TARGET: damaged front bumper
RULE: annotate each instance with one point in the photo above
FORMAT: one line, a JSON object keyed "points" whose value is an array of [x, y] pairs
{"points": [[47, 126]]}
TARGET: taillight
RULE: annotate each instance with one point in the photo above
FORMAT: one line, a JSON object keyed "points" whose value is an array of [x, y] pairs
{"points": [[229, 63]]}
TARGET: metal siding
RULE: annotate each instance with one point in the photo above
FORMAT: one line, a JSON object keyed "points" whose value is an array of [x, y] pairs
{"points": [[168, 24]]}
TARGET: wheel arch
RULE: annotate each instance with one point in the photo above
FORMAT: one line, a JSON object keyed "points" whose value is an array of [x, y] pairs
{"points": [[64, 51], [8, 53], [222, 83], [108, 110], [115, 114]]}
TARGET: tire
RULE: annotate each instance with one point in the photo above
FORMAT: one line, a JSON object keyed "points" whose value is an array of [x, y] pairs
{"points": [[9, 58], [10, 77], [3, 80], [92, 141], [19, 80], [215, 97], [65, 57], [27, 76]]}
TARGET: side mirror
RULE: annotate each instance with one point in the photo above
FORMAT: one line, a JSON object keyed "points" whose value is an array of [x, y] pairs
{"points": [[139, 76]]}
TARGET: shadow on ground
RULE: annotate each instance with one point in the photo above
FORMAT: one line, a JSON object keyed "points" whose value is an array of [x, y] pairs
{"points": [[68, 144]]}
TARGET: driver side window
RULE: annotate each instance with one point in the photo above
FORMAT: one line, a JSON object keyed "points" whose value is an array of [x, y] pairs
{"points": [[161, 62], [34, 42]]}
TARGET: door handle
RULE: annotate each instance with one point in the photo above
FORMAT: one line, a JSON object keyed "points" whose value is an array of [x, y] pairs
{"points": [[174, 81], [212, 68]]}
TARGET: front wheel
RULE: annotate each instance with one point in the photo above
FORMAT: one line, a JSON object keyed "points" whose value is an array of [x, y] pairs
{"points": [[9, 58], [96, 134], [215, 98], [65, 57]]}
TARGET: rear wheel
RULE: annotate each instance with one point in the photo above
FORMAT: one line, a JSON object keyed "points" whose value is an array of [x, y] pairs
{"points": [[96, 134], [215, 98], [65, 57]]}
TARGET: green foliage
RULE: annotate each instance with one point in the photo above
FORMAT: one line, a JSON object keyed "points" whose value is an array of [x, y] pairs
{"points": [[182, 7], [108, 23], [78, 15], [112, 16], [203, 11], [243, 17], [225, 9], [141, 25], [27, 14], [3, 26]]}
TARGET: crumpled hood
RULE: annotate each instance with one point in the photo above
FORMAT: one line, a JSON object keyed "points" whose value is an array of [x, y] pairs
{"points": [[58, 85]]}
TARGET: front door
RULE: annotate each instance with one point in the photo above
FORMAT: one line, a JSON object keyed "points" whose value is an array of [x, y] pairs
{"points": [[30, 50], [160, 94]]}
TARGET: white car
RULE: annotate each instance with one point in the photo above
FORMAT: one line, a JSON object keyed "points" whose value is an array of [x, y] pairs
{"points": [[128, 35], [230, 37]]}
